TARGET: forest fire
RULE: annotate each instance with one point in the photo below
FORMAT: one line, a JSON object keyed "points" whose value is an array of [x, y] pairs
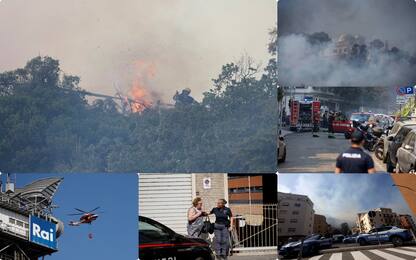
{"points": [[140, 97]]}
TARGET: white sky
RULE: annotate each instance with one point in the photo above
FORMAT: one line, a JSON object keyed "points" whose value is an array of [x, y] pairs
{"points": [[99, 40]]}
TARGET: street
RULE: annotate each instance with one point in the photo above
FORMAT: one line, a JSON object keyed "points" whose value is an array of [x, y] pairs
{"points": [[307, 154], [401, 253], [250, 257]]}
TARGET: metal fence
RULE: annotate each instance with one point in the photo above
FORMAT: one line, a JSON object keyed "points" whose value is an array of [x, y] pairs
{"points": [[255, 227]]}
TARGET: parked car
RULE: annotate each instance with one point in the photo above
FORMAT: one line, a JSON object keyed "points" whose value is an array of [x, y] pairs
{"points": [[281, 150], [387, 234], [394, 140], [361, 117], [350, 239], [337, 238], [406, 154], [311, 246], [156, 241]]}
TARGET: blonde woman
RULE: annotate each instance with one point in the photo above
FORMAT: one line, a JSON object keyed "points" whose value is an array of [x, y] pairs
{"points": [[196, 219]]}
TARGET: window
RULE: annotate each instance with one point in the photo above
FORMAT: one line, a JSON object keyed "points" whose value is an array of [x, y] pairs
{"points": [[282, 220], [152, 232], [282, 211], [293, 220], [19, 223], [295, 212], [297, 205], [26, 225], [291, 230], [12, 221], [285, 204]]}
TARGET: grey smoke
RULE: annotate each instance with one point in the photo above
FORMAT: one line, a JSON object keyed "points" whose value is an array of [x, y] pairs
{"points": [[393, 21], [99, 40], [304, 63]]}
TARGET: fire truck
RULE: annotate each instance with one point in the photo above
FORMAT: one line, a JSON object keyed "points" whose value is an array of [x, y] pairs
{"points": [[304, 115]]}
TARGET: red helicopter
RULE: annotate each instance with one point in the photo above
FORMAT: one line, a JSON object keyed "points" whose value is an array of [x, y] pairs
{"points": [[87, 217]]}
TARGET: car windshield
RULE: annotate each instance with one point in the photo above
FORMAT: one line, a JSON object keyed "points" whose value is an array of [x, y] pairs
{"points": [[313, 237], [360, 117]]}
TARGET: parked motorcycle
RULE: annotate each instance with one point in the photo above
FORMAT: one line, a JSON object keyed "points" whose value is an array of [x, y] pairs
{"points": [[372, 136]]}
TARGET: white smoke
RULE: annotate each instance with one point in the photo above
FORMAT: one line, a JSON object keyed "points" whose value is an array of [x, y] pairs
{"points": [[304, 63]]}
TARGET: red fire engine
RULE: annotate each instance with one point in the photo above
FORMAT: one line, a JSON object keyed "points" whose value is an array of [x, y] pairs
{"points": [[304, 115]]}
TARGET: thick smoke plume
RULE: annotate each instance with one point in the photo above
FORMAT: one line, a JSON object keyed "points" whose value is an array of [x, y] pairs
{"points": [[348, 60]]}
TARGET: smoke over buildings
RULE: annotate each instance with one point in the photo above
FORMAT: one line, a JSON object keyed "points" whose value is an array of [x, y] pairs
{"points": [[347, 43]]}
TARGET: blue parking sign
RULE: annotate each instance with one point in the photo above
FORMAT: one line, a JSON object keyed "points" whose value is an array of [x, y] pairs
{"points": [[408, 90], [42, 232]]}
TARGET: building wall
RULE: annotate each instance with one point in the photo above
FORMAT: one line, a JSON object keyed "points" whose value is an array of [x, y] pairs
{"points": [[296, 215], [166, 198], [406, 221], [320, 226], [211, 195], [383, 217], [14, 222]]}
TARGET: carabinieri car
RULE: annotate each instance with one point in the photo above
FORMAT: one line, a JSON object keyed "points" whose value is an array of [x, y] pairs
{"points": [[156, 242]]}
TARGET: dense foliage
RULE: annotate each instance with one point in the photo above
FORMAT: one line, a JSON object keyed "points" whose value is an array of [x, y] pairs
{"points": [[47, 125]]}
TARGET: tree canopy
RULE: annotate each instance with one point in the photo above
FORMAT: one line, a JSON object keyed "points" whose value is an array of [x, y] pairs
{"points": [[47, 125]]}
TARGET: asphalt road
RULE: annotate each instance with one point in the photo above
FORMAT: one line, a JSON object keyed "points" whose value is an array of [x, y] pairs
{"points": [[307, 154], [397, 253], [252, 257]]}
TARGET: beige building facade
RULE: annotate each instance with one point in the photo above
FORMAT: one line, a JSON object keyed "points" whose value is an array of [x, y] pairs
{"points": [[296, 216], [382, 217], [320, 226]]}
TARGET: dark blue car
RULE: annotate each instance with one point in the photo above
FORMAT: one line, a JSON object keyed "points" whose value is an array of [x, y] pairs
{"points": [[387, 234], [311, 246]]}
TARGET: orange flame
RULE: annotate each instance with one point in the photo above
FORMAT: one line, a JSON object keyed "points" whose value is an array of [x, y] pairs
{"points": [[140, 97]]}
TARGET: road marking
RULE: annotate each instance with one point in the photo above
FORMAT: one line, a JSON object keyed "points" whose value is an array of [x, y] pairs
{"points": [[336, 256], [401, 251], [385, 255], [359, 255], [316, 257], [410, 248]]}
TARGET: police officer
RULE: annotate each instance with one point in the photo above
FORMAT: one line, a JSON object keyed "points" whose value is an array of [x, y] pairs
{"points": [[354, 159]]}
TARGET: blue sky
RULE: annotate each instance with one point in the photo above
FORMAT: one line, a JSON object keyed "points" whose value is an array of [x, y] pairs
{"points": [[114, 232], [341, 197]]}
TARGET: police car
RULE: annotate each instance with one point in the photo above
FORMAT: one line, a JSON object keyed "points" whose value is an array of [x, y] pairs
{"points": [[310, 246], [386, 234], [157, 242]]}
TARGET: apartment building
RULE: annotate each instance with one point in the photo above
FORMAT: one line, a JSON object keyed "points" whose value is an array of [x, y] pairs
{"points": [[296, 216], [376, 218], [406, 221], [320, 226]]}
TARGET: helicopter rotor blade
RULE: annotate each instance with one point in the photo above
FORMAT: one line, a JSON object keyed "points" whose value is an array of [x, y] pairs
{"points": [[80, 210], [76, 214], [93, 210]]}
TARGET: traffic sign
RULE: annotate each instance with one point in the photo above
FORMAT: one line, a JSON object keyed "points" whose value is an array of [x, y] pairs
{"points": [[407, 90]]}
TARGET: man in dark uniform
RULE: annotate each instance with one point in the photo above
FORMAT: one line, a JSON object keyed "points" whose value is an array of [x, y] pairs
{"points": [[354, 159]]}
